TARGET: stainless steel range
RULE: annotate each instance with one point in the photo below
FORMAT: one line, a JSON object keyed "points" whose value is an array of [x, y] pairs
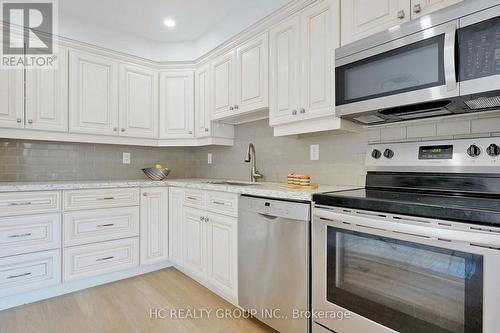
{"points": [[417, 250]]}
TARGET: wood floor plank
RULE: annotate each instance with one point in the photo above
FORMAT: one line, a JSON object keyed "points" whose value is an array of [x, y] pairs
{"points": [[124, 307]]}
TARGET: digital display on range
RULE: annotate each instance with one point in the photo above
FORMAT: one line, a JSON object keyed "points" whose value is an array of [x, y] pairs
{"points": [[435, 153]]}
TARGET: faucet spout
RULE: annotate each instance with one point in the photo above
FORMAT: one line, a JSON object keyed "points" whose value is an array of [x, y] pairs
{"points": [[250, 157]]}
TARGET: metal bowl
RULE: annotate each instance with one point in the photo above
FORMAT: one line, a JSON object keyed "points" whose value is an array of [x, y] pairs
{"points": [[156, 174]]}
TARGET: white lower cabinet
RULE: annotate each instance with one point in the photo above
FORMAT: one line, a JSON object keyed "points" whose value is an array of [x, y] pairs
{"points": [[27, 272], [154, 225], [100, 258], [175, 219], [193, 240]]}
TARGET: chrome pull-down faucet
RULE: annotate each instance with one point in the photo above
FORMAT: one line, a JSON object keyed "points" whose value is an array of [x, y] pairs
{"points": [[254, 174]]}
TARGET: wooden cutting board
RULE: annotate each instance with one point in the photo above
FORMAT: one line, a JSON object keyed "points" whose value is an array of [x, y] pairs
{"points": [[299, 187]]}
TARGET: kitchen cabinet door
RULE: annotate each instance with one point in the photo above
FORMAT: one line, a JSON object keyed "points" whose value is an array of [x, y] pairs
{"points": [[203, 123], [361, 18], [424, 7], [11, 98], [252, 78], [222, 253], [138, 102], [319, 26], [47, 96], [93, 92], [154, 225], [177, 105], [223, 84], [175, 222], [194, 241], [285, 71]]}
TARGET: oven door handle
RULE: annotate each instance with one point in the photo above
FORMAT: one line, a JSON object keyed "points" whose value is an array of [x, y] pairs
{"points": [[409, 228], [449, 57]]}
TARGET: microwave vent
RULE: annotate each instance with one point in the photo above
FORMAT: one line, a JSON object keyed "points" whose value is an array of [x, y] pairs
{"points": [[483, 103]]}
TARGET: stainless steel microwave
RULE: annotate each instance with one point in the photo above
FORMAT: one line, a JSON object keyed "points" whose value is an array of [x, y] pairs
{"points": [[442, 64]]}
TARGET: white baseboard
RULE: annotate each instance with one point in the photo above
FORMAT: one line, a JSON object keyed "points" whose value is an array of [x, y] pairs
{"points": [[69, 287]]}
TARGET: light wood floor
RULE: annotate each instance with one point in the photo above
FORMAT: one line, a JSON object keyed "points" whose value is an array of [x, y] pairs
{"points": [[124, 306]]}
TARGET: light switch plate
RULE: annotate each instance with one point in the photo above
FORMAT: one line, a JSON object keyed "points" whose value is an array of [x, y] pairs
{"points": [[126, 158], [314, 152], [209, 158]]}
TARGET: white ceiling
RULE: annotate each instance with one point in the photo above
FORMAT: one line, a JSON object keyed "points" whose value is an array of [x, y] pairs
{"points": [[214, 20]]}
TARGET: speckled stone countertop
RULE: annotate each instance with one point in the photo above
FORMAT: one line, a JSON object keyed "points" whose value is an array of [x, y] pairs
{"points": [[264, 189]]}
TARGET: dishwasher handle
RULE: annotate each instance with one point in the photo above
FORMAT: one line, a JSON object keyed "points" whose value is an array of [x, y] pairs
{"points": [[268, 217]]}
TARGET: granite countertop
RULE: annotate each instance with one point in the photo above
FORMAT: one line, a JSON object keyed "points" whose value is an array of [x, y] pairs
{"points": [[263, 189]]}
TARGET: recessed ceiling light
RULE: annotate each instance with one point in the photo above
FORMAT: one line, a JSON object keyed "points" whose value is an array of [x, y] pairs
{"points": [[169, 23]]}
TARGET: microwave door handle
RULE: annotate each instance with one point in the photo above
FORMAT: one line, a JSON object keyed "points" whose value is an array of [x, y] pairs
{"points": [[449, 58]]}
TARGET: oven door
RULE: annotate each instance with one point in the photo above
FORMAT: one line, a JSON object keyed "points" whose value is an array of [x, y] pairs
{"points": [[419, 68], [396, 274]]}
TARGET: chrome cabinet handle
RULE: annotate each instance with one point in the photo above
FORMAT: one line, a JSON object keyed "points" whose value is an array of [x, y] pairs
{"points": [[20, 235], [191, 198], [104, 259], [190, 132], [401, 14], [18, 276], [19, 120], [27, 203], [417, 8], [106, 198], [105, 225], [294, 112], [218, 202], [302, 110]]}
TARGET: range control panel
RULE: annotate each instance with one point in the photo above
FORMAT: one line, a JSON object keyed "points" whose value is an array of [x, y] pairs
{"points": [[467, 155]]}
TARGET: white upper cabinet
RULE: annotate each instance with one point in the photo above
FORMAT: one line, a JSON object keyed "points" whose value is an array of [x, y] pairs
{"points": [[47, 96], [11, 98], [318, 43], [284, 71], [252, 67], [177, 105], [202, 102], [424, 7], [93, 94], [361, 18], [138, 102], [223, 85], [154, 225]]}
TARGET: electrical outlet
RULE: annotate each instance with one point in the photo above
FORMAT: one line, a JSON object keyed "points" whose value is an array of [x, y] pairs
{"points": [[126, 158], [314, 152], [209, 158]]}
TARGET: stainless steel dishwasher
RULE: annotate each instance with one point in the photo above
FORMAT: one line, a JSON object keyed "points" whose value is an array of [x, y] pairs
{"points": [[273, 262]]}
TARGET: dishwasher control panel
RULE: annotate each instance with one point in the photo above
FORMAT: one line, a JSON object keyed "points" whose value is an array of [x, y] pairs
{"points": [[276, 208]]}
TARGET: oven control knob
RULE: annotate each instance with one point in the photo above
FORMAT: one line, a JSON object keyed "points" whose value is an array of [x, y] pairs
{"points": [[493, 150], [376, 154], [474, 151], [388, 153]]}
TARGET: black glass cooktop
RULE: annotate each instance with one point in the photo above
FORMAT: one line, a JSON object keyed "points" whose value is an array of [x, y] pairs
{"points": [[477, 208]]}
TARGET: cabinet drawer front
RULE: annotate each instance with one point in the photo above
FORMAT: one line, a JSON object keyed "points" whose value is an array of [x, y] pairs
{"points": [[224, 203], [109, 198], [96, 259], [85, 227], [194, 198], [29, 272], [24, 203], [25, 234]]}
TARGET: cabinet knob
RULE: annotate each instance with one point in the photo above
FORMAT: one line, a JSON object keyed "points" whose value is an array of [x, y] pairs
{"points": [[145, 194], [236, 107], [417, 8], [231, 108], [302, 110], [123, 129], [206, 129], [190, 132], [294, 112], [401, 14], [19, 120], [115, 129], [30, 121]]}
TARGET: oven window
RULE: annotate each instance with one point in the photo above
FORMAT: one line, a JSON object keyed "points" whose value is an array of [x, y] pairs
{"points": [[405, 286], [412, 67]]}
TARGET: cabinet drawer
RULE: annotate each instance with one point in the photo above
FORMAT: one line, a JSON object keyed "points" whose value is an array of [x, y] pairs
{"points": [[97, 259], [108, 198], [25, 234], [24, 203], [91, 226], [223, 203], [194, 198], [29, 272]]}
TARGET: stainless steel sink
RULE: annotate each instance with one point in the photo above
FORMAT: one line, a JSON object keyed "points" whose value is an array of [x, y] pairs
{"points": [[231, 182]]}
